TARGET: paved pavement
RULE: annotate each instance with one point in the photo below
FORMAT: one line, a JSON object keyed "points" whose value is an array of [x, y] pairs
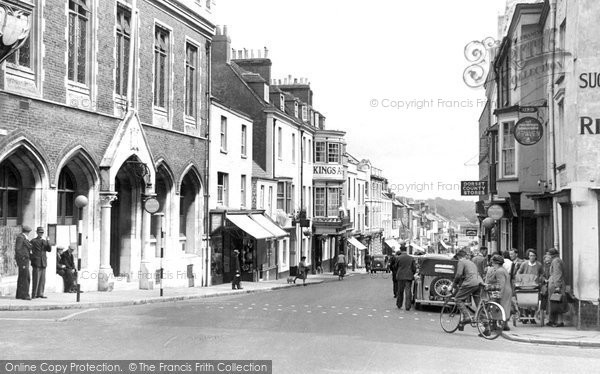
{"points": [[568, 336], [553, 335], [135, 297]]}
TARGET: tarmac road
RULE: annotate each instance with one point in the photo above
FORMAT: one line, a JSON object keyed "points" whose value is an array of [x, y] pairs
{"points": [[349, 326]]}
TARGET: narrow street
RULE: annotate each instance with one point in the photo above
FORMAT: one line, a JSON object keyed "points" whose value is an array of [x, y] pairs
{"points": [[302, 329]]}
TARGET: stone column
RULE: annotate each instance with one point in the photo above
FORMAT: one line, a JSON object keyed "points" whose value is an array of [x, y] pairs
{"points": [[105, 273], [147, 264]]}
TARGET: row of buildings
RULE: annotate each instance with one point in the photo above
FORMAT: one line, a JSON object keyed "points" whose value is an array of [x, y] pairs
{"points": [[184, 148], [538, 139]]}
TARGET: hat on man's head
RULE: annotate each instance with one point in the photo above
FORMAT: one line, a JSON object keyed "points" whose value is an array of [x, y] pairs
{"points": [[553, 251], [60, 249], [26, 228], [73, 246], [39, 229]]}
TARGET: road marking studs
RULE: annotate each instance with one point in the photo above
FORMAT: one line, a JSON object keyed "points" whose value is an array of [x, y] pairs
{"points": [[265, 309], [374, 310], [385, 316], [250, 308], [308, 311], [387, 311], [339, 314], [279, 310], [324, 312], [416, 319], [369, 315], [294, 311], [432, 320]]}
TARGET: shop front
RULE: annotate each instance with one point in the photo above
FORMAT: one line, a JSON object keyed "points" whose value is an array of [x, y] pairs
{"points": [[253, 235]]}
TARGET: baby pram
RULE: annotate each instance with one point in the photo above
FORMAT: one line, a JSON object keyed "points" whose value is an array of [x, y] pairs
{"points": [[528, 300]]}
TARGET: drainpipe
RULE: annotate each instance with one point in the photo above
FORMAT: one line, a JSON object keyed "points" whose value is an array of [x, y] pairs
{"points": [[555, 232], [302, 156], [207, 170]]}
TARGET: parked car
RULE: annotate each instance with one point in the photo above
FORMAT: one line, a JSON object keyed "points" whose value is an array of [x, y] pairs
{"points": [[435, 275], [379, 263]]}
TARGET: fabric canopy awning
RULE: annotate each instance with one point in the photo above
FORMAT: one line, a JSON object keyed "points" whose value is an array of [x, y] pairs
{"points": [[352, 240], [250, 226], [417, 247], [269, 225], [393, 244]]}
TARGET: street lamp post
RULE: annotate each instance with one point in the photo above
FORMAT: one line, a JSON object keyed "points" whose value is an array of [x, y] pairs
{"points": [[80, 202]]}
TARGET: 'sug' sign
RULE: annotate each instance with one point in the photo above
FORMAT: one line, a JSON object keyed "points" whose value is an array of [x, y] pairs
{"points": [[335, 172]]}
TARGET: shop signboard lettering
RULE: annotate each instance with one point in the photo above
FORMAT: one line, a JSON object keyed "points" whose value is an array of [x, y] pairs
{"points": [[471, 232], [528, 131], [473, 188], [335, 172]]}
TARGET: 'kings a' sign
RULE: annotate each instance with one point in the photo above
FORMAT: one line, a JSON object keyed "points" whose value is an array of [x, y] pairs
{"points": [[329, 172]]}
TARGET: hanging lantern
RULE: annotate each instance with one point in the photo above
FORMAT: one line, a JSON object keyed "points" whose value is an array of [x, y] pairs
{"points": [[14, 26]]}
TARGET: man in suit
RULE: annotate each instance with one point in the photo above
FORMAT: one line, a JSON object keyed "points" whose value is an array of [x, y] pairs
{"points": [[22, 255], [39, 261], [405, 276]]}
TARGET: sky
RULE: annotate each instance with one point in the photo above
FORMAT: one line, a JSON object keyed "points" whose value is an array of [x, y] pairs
{"points": [[389, 73]]}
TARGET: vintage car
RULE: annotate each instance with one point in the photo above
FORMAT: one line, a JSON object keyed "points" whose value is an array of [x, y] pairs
{"points": [[435, 274], [379, 263]]}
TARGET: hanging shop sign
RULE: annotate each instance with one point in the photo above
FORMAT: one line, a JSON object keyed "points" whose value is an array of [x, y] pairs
{"points": [[473, 188], [471, 232], [528, 131], [495, 211]]}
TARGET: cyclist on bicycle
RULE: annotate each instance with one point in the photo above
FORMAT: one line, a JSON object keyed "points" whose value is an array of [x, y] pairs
{"points": [[469, 279]]}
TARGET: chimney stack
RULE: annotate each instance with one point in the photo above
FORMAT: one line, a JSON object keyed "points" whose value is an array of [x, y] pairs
{"points": [[221, 46]]}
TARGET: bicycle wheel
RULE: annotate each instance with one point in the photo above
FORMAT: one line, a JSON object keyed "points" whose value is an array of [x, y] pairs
{"points": [[489, 320], [449, 317]]}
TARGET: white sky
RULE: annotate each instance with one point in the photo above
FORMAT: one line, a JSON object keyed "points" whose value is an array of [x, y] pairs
{"points": [[354, 51]]}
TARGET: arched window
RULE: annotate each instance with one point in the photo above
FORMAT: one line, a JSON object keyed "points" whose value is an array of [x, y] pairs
{"points": [[10, 196], [66, 198]]}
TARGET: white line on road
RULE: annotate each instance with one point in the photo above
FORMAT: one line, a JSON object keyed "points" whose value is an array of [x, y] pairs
{"points": [[75, 314], [170, 340], [27, 319]]}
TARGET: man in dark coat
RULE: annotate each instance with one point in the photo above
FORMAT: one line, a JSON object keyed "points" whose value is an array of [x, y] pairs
{"points": [[405, 276], [68, 260], [393, 267], [39, 261], [62, 270], [236, 282], [22, 255]]}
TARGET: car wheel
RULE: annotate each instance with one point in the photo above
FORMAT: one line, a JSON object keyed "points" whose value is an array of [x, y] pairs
{"points": [[440, 286]]}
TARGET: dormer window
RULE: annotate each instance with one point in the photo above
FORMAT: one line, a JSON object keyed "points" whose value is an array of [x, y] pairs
{"points": [[282, 102], [304, 113], [295, 109]]}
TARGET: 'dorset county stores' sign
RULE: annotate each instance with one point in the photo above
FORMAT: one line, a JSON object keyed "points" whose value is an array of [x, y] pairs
{"points": [[333, 172]]}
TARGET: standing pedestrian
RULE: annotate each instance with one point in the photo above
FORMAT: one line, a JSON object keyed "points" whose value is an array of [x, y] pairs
{"points": [[302, 270], [39, 247], [557, 288], [517, 262], [341, 265], [393, 265], [236, 282], [367, 262], [481, 261], [405, 274], [499, 279], [22, 256]]}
